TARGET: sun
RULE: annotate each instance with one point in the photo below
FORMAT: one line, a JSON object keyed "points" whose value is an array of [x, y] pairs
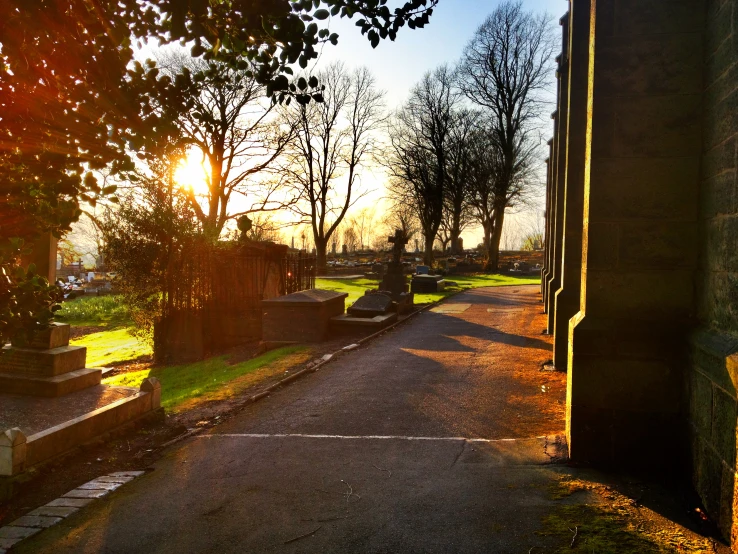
{"points": [[191, 173]]}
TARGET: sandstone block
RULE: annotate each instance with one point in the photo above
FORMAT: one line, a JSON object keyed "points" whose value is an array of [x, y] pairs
{"points": [[12, 452]]}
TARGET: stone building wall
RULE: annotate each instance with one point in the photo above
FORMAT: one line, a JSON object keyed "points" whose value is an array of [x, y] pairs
{"points": [[713, 369]]}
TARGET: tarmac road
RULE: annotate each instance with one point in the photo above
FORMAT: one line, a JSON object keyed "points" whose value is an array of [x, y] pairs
{"points": [[439, 436]]}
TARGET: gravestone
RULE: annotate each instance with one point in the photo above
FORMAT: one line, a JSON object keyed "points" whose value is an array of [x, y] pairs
{"points": [[422, 269], [428, 283], [394, 280], [371, 305]]}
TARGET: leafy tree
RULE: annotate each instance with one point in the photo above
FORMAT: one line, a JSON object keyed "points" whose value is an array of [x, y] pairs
{"points": [[73, 101], [152, 226], [504, 70]]}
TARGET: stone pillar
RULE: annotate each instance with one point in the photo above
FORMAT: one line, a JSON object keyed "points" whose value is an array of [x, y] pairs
{"points": [[44, 256], [560, 170], [547, 216], [550, 223], [567, 297], [639, 233]]}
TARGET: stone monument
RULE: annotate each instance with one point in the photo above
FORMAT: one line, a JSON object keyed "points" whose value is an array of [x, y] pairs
{"points": [[394, 281]]}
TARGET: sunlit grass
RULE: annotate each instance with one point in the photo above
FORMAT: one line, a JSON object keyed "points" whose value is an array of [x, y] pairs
{"points": [[357, 287], [104, 311], [109, 347], [183, 386]]}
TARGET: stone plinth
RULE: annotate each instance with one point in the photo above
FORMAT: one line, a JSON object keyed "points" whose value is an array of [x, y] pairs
{"points": [[346, 322], [302, 316], [394, 282], [47, 367]]}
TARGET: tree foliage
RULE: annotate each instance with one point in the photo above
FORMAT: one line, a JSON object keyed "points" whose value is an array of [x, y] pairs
{"points": [[73, 100], [152, 226]]}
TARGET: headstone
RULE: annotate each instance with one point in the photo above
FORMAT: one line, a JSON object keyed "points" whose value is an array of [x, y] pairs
{"points": [[422, 269], [427, 283], [371, 305], [344, 249]]}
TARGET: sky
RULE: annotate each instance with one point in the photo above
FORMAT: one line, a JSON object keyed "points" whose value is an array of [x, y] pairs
{"points": [[400, 64], [397, 66]]}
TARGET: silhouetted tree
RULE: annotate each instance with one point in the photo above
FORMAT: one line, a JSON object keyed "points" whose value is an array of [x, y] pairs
{"points": [[420, 141], [505, 69]]}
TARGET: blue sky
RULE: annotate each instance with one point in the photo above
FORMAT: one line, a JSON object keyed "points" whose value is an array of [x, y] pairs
{"points": [[399, 64]]}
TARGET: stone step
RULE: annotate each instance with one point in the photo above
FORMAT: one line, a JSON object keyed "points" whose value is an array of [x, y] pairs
{"points": [[57, 385], [44, 363]]}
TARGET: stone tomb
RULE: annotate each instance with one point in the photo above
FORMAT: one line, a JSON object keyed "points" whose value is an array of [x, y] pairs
{"points": [[50, 402], [427, 283], [302, 316]]}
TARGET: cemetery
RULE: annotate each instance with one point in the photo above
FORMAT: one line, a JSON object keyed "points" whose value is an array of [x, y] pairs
{"points": [[294, 293]]}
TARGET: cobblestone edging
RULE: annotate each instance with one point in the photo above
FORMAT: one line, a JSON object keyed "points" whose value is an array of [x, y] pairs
{"points": [[56, 510]]}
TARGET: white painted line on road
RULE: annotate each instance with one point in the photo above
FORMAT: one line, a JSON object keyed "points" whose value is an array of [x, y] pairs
{"points": [[354, 437]]}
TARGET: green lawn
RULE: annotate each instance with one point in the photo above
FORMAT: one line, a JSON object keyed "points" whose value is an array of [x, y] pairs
{"points": [[214, 378], [109, 347], [97, 311], [115, 343], [356, 287]]}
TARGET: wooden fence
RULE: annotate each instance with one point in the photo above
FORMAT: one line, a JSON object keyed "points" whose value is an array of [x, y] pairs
{"points": [[213, 296]]}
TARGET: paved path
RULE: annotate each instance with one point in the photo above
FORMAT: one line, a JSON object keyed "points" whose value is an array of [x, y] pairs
{"points": [[399, 446]]}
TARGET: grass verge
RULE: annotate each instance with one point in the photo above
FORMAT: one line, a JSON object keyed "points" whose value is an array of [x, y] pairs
{"points": [[184, 386], [357, 287]]}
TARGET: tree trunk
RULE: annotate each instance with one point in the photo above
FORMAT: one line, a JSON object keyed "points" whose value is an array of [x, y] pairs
{"points": [[454, 249], [455, 231], [494, 247], [320, 251], [488, 229], [428, 254]]}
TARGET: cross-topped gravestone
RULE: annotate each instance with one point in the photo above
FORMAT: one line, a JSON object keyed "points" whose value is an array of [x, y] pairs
{"points": [[399, 240]]}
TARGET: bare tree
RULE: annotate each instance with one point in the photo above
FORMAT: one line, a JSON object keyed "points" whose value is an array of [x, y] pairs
{"points": [[350, 238], [420, 136], [457, 210], [228, 119], [363, 224], [334, 139], [505, 70]]}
